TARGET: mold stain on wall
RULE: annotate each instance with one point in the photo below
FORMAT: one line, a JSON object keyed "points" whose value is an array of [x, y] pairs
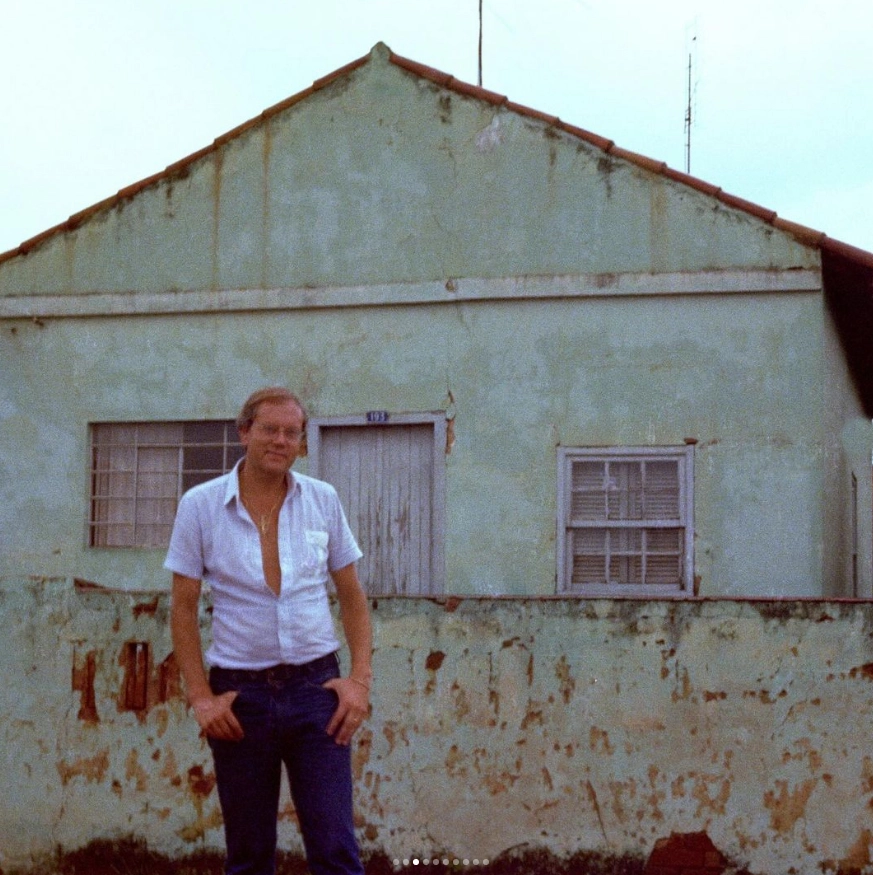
{"points": [[596, 727]]}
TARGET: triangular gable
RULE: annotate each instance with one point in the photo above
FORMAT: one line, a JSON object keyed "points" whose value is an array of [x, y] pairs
{"points": [[803, 234], [849, 269]]}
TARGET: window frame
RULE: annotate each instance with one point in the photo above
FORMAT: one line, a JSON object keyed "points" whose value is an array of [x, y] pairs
{"points": [[684, 456], [131, 501]]}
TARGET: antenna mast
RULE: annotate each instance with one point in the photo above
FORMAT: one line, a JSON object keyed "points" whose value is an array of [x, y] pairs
{"points": [[480, 43], [689, 105], [688, 121]]}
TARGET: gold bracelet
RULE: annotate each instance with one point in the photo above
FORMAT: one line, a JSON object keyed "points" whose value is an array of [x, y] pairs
{"points": [[360, 683]]}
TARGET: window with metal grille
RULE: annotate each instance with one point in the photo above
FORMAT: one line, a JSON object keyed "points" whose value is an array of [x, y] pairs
{"points": [[139, 471], [626, 521]]}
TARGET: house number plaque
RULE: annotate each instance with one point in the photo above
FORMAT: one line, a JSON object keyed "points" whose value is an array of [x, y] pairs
{"points": [[377, 416]]}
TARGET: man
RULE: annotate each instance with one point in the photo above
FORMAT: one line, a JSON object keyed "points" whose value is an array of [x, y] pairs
{"points": [[267, 541]]}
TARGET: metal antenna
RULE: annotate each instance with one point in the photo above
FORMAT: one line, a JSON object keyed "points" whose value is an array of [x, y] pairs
{"points": [[688, 106], [480, 43], [688, 121]]}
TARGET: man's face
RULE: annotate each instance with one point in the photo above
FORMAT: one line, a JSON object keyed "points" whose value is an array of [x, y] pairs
{"points": [[273, 440]]}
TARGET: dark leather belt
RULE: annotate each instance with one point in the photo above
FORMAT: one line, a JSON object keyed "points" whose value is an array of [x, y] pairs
{"points": [[275, 673]]}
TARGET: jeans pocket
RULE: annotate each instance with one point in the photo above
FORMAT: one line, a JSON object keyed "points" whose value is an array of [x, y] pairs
{"points": [[220, 684], [328, 672], [251, 705]]}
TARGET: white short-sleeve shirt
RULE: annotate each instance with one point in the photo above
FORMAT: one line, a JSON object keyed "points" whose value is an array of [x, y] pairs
{"points": [[215, 540]]}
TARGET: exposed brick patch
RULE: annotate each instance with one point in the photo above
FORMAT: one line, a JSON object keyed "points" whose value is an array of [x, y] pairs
{"points": [[434, 660], [83, 682], [690, 853]]}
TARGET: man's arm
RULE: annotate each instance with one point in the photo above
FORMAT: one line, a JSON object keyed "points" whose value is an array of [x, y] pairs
{"points": [[213, 712], [354, 690]]}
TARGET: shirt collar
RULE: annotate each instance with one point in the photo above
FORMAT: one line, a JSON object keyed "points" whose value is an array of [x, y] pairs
{"points": [[232, 490]]}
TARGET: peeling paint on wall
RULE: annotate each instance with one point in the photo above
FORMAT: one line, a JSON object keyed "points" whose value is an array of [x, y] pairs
{"points": [[595, 726], [83, 683]]}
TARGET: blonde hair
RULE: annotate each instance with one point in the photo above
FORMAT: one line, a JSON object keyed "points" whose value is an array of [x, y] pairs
{"points": [[271, 394]]}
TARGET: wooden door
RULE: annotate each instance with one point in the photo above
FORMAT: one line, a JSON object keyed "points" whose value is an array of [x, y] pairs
{"points": [[389, 477]]}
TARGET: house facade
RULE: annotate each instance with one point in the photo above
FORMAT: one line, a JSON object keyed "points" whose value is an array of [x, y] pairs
{"points": [[394, 245], [537, 366]]}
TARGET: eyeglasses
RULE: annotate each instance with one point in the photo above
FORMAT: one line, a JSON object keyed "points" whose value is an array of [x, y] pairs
{"points": [[273, 431]]}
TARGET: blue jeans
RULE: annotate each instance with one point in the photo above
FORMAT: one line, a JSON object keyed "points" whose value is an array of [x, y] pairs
{"points": [[284, 712]]}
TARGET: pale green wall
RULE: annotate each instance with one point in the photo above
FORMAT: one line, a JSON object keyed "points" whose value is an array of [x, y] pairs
{"points": [[367, 191], [739, 374], [589, 725], [383, 177]]}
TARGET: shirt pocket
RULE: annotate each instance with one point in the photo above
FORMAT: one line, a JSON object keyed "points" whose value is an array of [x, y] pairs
{"points": [[315, 562]]}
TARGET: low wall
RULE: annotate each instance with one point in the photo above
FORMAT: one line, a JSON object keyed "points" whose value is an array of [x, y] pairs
{"points": [[553, 724]]}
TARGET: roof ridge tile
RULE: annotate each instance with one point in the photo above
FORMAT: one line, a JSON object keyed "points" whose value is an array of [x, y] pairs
{"points": [[232, 134], [747, 206], [282, 105], [640, 160], [79, 217], [422, 70], [693, 181], [603, 143], [476, 91], [324, 81], [552, 120], [135, 187], [803, 233], [182, 163]]}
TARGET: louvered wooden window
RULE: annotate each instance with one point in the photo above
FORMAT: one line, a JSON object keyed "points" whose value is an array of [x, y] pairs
{"points": [[626, 521]]}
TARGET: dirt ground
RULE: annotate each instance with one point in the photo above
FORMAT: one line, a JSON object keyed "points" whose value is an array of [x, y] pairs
{"points": [[134, 858]]}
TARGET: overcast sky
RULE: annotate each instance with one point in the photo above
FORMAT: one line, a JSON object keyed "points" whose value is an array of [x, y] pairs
{"points": [[98, 94]]}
